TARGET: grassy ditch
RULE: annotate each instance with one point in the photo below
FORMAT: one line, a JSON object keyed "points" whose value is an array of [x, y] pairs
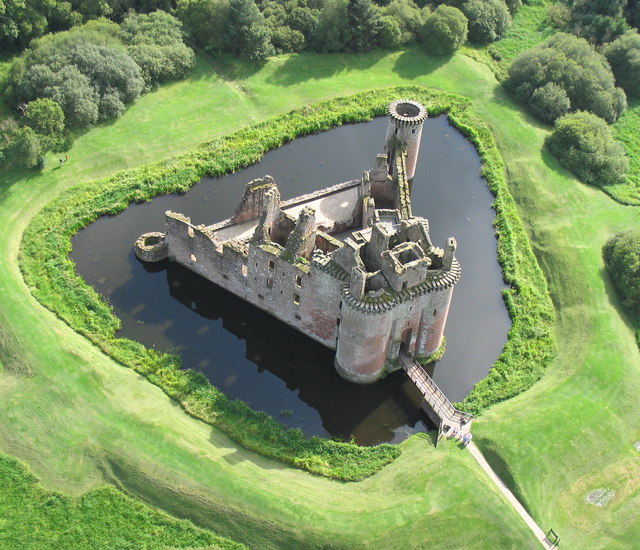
{"points": [[48, 271], [38, 519]]}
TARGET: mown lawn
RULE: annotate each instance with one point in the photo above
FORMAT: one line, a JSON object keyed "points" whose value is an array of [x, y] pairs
{"points": [[78, 419]]}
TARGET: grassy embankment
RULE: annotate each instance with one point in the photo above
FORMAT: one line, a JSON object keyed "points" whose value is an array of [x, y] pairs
{"points": [[81, 418], [35, 518]]}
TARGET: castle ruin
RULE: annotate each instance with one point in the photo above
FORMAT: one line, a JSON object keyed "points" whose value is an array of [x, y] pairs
{"points": [[349, 265]]}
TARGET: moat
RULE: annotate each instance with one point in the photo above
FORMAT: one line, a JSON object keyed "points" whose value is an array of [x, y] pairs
{"points": [[252, 356]]}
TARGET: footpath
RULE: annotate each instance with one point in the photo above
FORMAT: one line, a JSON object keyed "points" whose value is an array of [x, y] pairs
{"points": [[539, 533]]}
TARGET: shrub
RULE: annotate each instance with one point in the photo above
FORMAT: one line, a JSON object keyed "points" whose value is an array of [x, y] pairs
{"points": [[155, 43], [45, 116], [624, 57], [572, 64], [583, 143], [444, 31], [622, 259], [549, 102], [26, 148], [488, 20]]}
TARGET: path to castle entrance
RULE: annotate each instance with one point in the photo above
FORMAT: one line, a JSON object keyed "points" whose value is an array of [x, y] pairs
{"points": [[515, 503]]}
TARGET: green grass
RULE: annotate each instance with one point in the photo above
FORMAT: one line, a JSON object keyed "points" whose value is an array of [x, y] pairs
{"points": [[627, 131], [79, 419], [35, 518]]}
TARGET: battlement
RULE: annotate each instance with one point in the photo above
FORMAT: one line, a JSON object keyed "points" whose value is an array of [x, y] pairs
{"points": [[348, 265]]}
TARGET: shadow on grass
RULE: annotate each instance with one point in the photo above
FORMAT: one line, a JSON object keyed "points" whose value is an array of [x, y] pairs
{"points": [[501, 468], [412, 64], [315, 66], [229, 68]]}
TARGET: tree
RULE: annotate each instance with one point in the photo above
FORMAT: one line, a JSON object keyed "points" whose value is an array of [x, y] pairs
{"points": [[390, 34], [304, 20], [332, 32], [572, 64], [488, 20], [444, 31], [26, 148], [624, 57], [622, 258], [204, 21], [583, 144], [549, 102], [285, 39], [45, 116], [408, 16], [364, 22], [246, 32], [155, 43]]}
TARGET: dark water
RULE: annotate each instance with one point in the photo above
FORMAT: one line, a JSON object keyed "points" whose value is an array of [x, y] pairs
{"points": [[254, 357]]}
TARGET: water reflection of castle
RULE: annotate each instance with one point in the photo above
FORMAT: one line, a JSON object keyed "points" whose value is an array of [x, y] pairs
{"points": [[370, 413], [348, 266]]}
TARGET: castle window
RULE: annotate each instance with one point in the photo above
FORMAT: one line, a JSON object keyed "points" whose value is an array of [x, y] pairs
{"points": [[434, 312], [413, 131], [193, 258], [404, 285], [298, 280], [338, 322], [272, 265], [225, 277], [243, 270], [269, 283], [261, 296], [296, 299]]}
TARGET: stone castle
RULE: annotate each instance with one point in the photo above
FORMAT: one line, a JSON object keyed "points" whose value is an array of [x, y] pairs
{"points": [[349, 266]]}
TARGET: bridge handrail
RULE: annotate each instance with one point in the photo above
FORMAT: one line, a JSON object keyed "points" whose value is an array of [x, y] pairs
{"points": [[417, 373]]}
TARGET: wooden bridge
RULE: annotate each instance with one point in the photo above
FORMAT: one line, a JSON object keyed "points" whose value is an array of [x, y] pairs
{"points": [[435, 402]]}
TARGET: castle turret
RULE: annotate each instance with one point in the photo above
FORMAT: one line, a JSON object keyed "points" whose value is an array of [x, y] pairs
{"points": [[406, 118]]}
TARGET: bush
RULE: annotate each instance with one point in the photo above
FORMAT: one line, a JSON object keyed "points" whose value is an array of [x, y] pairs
{"points": [[444, 31], [622, 259], [155, 43], [45, 116], [26, 148], [549, 102], [583, 143], [572, 64], [488, 20], [624, 57]]}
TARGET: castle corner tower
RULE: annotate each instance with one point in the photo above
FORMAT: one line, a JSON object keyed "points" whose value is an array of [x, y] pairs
{"points": [[406, 118]]}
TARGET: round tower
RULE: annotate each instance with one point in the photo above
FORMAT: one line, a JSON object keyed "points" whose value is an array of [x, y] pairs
{"points": [[406, 118]]}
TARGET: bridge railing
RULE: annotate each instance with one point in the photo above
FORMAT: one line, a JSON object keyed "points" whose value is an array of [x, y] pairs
{"points": [[436, 398]]}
